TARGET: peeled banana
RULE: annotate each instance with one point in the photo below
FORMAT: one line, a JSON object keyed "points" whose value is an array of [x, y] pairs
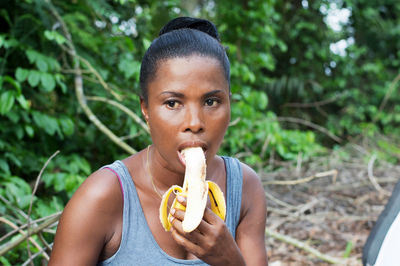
{"points": [[195, 189]]}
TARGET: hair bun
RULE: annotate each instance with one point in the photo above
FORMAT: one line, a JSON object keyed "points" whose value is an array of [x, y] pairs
{"points": [[191, 23]]}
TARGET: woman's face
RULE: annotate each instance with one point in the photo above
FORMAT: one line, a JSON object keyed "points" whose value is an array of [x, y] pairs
{"points": [[188, 106]]}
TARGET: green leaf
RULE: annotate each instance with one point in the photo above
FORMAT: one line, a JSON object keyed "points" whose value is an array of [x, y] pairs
{"points": [[72, 182], [48, 123], [23, 102], [59, 80], [21, 74], [54, 36], [130, 67], [2, 40], [29, 130], [32, 56], [18, 191], [146, 43], [34, 78], [19, 132], [60, 39], [41, 65], [45, 207], [13, 82], [49, 35], [4, 261], [6, 102], [48, 82], [13, 116], [4, 166], [67, 125], [349, 247]]}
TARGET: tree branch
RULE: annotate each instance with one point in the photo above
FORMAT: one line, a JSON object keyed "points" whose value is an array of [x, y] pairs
{"points": [[333, 173], [12, 244], [79, 86], [25, 225], [294, 242], [31, 202], [372, 177], [123, 108], [99, 77], [310, 124], [313, 104]]}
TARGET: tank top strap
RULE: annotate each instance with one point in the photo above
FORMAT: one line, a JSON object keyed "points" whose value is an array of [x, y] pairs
{"points": [[131, 207], [124, 177], [234, 181]]}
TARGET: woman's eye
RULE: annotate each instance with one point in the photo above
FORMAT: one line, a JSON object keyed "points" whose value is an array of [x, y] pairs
{"points": [[172, 104], [211, 102]]}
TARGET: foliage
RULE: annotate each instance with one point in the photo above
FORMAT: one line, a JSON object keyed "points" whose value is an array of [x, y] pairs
{"points": [[351, 90], [282, 64]]}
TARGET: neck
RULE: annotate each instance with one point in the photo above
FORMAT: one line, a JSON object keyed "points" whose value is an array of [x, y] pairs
{"points": [[162, 174]]}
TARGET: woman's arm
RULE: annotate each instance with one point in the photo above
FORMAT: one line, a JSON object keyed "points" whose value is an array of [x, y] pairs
{"points": [[88, 221], [250, 233]]}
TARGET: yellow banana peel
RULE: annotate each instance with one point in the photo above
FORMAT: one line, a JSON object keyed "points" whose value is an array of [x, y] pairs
{"points": [[195, 189]]}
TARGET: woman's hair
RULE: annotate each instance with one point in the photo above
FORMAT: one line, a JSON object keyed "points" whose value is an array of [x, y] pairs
{"points": [[182, 37]]}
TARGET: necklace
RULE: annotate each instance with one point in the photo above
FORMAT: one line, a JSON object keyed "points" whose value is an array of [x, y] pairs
{"points": [[149, 173]]}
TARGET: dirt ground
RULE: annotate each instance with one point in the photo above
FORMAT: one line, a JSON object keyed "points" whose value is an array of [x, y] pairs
{"points": [[332, 207]]}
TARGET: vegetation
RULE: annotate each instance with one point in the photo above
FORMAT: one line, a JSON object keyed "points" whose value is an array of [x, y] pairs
{"points": [[294, 91]]}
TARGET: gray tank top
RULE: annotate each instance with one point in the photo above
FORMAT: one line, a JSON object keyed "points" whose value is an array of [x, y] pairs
{"points": [[138, 246]]}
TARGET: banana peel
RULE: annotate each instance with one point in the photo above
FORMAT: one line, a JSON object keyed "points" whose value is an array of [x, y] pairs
{"points": [[195, 189]]}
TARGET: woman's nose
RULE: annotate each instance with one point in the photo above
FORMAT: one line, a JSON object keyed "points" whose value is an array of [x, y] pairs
{"points": [[194, 120]]}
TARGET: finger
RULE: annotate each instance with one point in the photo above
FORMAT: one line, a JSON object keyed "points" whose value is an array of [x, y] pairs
{"points": [[190, 246], [210, 217], [177, 214], [181, 200], [177, 217], [210, 221]]}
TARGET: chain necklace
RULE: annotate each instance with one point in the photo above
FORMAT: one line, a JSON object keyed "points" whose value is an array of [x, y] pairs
{"points": [[149, 173]]}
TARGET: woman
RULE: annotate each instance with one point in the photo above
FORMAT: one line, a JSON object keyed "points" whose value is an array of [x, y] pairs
{"points": [[113, 218]]}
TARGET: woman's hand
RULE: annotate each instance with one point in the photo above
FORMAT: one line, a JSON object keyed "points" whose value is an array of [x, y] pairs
{"points": [[211, 241]]}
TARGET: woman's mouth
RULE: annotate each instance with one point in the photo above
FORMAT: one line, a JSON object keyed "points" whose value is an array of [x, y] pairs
{"points": [[182, 157]]}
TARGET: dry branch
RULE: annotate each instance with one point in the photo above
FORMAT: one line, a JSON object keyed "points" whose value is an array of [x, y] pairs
{"points": [[311, 125], [98, 76], [314, 104], [123, 108], [12, 225], [304, 246], [332, 173], [25, 225], [31, 203], [12, 244], [372, 178]]}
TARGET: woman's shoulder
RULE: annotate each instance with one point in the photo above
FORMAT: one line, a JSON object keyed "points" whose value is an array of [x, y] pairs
{"points": [[99, 195], [90, 220], [101, 185], [252, 190], [251, 180]]}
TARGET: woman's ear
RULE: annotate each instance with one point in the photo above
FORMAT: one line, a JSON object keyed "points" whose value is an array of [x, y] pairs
{"points": [[144, 109]]}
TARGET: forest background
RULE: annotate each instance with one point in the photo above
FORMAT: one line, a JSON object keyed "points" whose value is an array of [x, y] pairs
{"points": [[308, 77]]}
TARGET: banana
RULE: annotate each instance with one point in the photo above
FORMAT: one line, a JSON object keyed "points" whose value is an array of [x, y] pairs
{"points": [[195, 189]]}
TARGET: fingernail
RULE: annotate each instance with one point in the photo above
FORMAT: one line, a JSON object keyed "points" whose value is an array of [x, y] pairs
{"points": [[180, 198], [173, 211], [171, 219]]}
